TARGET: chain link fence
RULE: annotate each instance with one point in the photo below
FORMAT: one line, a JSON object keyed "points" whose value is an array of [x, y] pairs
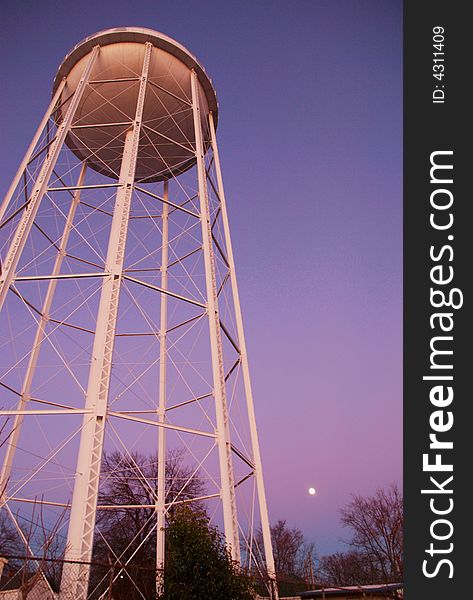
{"points": [[35, 578]]}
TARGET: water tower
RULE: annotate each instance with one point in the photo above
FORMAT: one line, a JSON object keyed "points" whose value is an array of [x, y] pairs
{"points": [[124, 360]]}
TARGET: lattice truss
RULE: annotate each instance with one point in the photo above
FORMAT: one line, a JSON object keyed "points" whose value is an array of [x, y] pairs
{"points": [[50, 312]]}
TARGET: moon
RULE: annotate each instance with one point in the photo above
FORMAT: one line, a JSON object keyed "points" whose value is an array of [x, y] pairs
{"points": [[312, 491]]}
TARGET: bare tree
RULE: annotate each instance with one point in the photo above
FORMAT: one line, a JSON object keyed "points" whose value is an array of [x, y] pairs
{"points": [[10, 543], [377, 526], [46, 566], [128, 535], [132, 480], [290, 549], [34, 550], [347, 568], [287, 546]]}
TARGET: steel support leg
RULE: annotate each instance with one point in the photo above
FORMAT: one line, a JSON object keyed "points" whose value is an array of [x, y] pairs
{"points": [[26, 222], [161, 499], [12, 440], [32, 146], [268, 549], [75, 577], [223, 431]]}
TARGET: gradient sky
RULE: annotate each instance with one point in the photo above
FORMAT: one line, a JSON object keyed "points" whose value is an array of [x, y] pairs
{"points": [[310, 137]]}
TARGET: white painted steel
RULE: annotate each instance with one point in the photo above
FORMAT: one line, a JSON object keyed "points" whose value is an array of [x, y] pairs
{"points": [[74, 585], [142, 35], [258, 465], [161, 500], [223, 431], [112, 100], [31, 148], [12, 440], [37, 193], [154, 68]]}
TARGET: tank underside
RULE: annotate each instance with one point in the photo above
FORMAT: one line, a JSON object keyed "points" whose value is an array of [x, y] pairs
{"points": [[108, 106]]}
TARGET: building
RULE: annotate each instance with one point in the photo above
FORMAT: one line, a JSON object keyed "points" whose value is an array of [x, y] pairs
{"points": [[375, 592], [40, 590]]}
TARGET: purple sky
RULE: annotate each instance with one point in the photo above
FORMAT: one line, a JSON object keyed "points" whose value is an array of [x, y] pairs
{"points": [[310, 139]]}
